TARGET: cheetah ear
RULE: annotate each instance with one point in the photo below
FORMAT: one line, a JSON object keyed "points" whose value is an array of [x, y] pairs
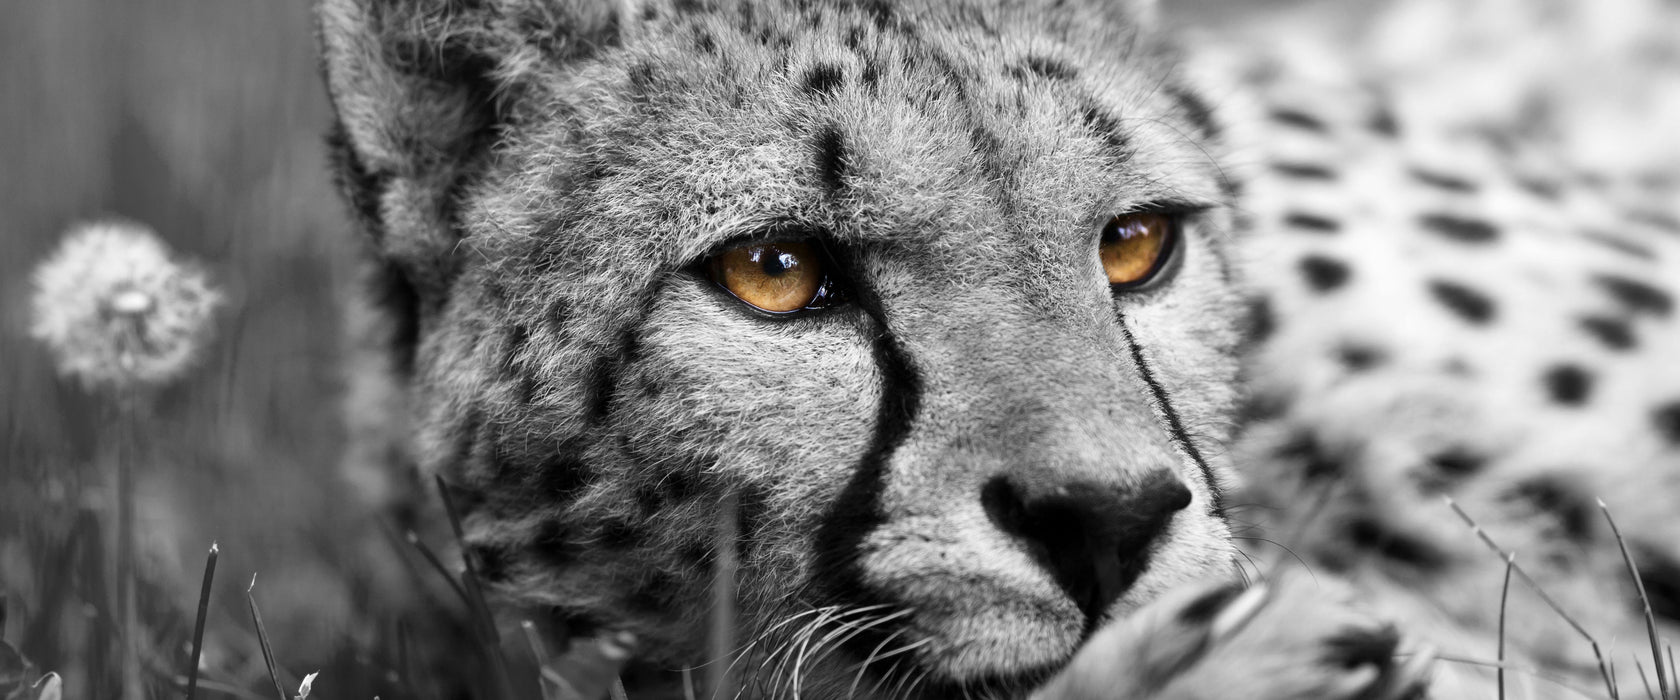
{"points": [[421, 89]]}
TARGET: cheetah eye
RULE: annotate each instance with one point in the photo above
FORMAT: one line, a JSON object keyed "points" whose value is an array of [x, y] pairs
{"points": [[779, 277], [1136, 246]]}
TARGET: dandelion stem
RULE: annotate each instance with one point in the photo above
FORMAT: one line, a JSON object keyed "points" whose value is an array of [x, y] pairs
{"points": [[127, 449], [198, 624]]}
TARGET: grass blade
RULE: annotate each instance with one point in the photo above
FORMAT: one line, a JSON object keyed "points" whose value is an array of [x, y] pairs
{"points": [[539, 652], [1504, 598], [198, 624], [436, 563], [1650, 618], [262, 638], [1510, 557], [722, 640], [475, 593]]}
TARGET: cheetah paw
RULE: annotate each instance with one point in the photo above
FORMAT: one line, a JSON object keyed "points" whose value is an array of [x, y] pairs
{"points": [[1283, 640]]}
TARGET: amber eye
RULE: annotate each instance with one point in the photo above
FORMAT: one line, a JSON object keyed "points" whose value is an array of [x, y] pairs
{"points": [[1136, 246], [775, 277]]}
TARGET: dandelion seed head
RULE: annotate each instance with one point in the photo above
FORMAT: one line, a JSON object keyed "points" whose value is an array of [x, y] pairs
{"points": [[115, 309]]}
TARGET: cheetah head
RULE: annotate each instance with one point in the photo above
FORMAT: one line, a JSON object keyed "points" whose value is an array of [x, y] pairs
{"points": [[929, 301]]}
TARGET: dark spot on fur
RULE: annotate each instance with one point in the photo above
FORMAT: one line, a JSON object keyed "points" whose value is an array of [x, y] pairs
{"points": [[1383, 122], [1558, 499], [830, 148], [619, 535], [1359, 357], [1661, 575], [1324, 274], [1107, 128], [1449, 467], [1450, 183], [554, 545], [660, 593], [1298, 119], [1458, 228], [696, 554], [1261, 322], [823, 80], [1208, 605], [674, 488], [1458, 367], [561, 478], [513, 347], [1371, 535], [1315, 461], [1050, 68], [705, 42], [491, 561], [1666, 419], [1311, 222], [748, 17], [1356, 648], [989, 149], [1637, 296], [854, 38], [1544, 189], [1466, 303], [1258, 407], [1195, 109], [1615, 333], [391, 291], [558, 316], [1655, 219], [1304, 171], [642, 77], [650, 13], [1458, 462], [1620, 245], [879, 10], [871, 75], [1568, 385]]}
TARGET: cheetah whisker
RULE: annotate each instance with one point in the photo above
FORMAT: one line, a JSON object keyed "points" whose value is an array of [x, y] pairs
{"points": [[867, 660], [828, 644]]}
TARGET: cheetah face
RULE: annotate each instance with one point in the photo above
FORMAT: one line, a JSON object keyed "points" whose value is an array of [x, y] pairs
{"points": [[935, 295]]}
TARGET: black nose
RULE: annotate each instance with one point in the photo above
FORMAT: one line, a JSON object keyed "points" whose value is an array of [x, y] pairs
{"points": [[1094, 538]]}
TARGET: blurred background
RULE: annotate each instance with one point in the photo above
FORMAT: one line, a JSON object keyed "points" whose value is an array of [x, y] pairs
{"points": [[203, 119]]}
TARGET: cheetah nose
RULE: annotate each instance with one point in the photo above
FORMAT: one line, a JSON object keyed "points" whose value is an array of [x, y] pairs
{"points": [[1093, 537]]}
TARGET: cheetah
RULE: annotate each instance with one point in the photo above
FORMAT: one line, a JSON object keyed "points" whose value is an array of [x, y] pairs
{"points": [[982, 334]]}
